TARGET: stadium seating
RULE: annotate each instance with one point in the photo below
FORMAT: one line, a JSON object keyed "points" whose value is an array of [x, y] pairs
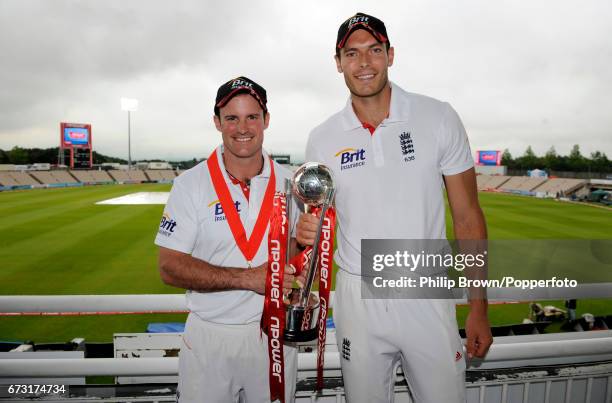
{"points": [[521, 184], [513, 183], [160, 174], [481, 181], [23, 179], [531, 184], [7, 180], [119, 176], [560, 186], [552, 187], [53, 177], [44, 177], [491, 182], [63, 177], [128, 176], [137, 176], [100, 176], [92, 176]]}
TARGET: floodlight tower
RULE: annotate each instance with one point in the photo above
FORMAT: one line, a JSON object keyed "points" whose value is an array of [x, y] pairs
{"points": [[129, 105]]}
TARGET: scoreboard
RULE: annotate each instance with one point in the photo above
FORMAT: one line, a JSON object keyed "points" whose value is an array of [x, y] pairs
{"points": [[75, 145]]}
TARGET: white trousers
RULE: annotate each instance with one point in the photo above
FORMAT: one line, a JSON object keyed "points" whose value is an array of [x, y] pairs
{"points": [[228, 363], [374, 335]]}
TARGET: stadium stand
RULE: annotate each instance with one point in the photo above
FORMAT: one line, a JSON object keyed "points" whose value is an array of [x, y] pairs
{"points": [[512, 184], [92, 176], [59, 178], [63, 177], [101, 176], [53, 177], [560, 186], [7, 180], [23, 179], [44, 177], [491, 182], [521, 184], [137, 176], [481, 181], [531, 183], [526, 184], [128, 176], [119, 176], [160, 174]]}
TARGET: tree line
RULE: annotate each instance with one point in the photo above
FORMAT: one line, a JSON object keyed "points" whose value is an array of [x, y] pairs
{"points": [[25, 156], [574, 162]]}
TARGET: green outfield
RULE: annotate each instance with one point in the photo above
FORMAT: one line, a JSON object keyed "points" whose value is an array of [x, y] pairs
{"points": [[58, 241]]}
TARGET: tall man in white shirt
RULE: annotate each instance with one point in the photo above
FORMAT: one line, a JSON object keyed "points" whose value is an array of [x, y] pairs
{"points": [[213, 242], [392, 152]]}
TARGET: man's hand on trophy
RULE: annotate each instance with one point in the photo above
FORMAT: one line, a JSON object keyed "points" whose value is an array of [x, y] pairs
{"points": [[288, 282], [256, 279], [307, 229]]}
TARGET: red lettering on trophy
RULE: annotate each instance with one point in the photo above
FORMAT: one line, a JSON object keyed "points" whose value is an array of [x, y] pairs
{"points": [[306, 319]]}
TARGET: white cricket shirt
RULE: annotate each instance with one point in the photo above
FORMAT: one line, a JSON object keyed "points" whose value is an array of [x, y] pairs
{"points": [[194, 223], [389, 184]]}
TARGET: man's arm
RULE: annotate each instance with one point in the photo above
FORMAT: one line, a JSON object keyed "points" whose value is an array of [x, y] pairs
{"points": [[184, 271], [469, 224]]}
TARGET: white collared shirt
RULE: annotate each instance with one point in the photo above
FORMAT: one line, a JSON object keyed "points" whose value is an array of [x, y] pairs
{"points": [[200, 229], [390, 184]]}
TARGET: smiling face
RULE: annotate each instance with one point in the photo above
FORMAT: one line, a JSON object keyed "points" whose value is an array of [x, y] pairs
{"points": [[364, 62], [242, 123]]}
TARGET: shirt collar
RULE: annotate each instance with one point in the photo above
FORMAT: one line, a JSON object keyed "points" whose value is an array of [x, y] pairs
{"points": [[265, 173], [399, 110]]}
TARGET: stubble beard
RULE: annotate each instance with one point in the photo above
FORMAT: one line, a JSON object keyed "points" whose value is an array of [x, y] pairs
{"points": [[367, 95]]}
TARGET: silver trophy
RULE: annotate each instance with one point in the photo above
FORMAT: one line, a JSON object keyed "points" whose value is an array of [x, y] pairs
{"points": [[313, 185]]}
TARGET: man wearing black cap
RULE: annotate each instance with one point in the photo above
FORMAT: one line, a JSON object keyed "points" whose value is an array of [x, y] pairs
{"points": [[392, 153], [213, 242]]}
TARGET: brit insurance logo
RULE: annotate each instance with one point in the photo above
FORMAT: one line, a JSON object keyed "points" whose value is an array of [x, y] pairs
{"points": [[218, 209], [238, 82], [166, 225], [351, 158], [407, 146]]}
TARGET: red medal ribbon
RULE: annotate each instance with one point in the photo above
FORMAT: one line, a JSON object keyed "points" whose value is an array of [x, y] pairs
{"points": [[249, 246], [273, 318]]}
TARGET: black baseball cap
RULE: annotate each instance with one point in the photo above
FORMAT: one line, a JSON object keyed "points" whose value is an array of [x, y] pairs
{"points": [[362, 21], [240, 85]]}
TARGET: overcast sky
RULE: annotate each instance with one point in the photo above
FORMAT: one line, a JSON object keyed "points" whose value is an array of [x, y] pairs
{"points": [[519, 73]]}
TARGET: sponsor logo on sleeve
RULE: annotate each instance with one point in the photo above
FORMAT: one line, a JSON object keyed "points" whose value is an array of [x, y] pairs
{"points": [[167, 225], [351, 158]]}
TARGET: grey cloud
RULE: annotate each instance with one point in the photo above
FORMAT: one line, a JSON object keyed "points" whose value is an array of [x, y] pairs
{"points": [[517, 73]]}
